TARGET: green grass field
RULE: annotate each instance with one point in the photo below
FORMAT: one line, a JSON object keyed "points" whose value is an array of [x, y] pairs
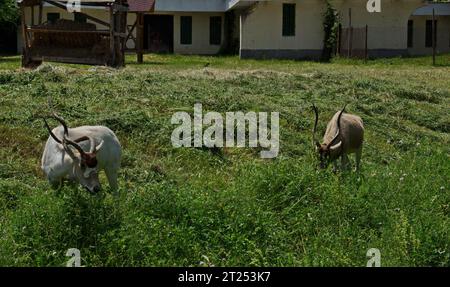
{"points": [[193, 207]]}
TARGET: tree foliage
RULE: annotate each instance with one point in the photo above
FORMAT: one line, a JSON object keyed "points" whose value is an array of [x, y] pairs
{"points": [[8, 11], [330, 26]]}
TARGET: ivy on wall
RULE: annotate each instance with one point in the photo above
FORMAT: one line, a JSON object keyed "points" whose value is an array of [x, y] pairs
{"points": [[330, 27]]}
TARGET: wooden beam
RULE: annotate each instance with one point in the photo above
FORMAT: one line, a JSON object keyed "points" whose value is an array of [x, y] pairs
{"points": [[366, 47], [24, 28], [350, 33], [71, 60], [40, 30], [25, 53], [339, 38], [112, 48], [62, 6], [130, 32], [40, 13], [140, 37]]}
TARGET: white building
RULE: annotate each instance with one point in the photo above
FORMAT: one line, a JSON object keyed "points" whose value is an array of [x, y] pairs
{"points": [[270, 28], [420, 30]]}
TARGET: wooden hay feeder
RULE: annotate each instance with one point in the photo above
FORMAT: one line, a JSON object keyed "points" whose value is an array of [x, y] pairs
{"points": [[68, 41]]}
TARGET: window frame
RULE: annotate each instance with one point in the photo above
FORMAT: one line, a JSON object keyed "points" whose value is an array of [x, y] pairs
{"points": [[429, 33], [215, 33], [185, 27], [410, 32], [57, 17], [289, 19]]}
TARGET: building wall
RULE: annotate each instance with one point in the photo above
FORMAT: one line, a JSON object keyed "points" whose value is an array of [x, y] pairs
{"points": [[200, 34], [261, 31], [387, 31], [419, 32], [200, 28], [261, 27]]}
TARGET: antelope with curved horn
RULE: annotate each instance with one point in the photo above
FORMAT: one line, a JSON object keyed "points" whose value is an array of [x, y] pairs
{"points": [[344, 135], [78, 154]]}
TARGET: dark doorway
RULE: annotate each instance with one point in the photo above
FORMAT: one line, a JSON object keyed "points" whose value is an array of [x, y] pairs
{"points": [[8, 40], [158, 33]]}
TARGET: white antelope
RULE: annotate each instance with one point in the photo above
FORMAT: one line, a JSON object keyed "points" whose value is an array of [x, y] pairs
{"points": [[344, 135], [78, 154]]}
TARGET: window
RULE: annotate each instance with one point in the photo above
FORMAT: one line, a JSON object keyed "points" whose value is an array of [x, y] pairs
{"points": [[215, 30], [80, 18], [410, 33], [186, 30], [52, 17], [288, 19], [429, 33]]}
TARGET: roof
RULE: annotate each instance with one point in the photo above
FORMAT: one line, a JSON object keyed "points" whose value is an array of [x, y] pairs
{"points": [[141, 5], [83, 1], [440, 9]]}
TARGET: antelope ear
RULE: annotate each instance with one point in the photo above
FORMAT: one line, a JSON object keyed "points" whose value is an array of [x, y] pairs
{"points": [[99, 146], [336, 146]]}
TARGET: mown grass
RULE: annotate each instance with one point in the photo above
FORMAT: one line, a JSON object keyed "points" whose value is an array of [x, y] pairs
{"points": [[193, 207]]}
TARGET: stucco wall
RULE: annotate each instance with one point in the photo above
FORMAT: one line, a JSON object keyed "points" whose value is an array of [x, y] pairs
{"points": [[200, 34], [386, 30], [261, 34], [261, 30], [442, 36]]}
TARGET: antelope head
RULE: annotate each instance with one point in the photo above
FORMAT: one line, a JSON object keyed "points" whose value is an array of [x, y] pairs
{"points": [[84, 164], [327, 151]]}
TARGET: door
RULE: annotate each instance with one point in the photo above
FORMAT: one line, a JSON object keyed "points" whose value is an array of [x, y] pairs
{"points": [[158, 33]]}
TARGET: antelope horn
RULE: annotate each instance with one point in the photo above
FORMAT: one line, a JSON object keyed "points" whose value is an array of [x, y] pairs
{"points": [[67, 142], [316, 112], [57, 117], [63, 123], [51, 133], [332, 142]]}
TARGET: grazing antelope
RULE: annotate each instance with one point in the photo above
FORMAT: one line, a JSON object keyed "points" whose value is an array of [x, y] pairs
{"points": [[78, 154], [344, 135]]}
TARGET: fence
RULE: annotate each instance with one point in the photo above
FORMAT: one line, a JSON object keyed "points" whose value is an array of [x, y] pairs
{"points": [[352, 42]]}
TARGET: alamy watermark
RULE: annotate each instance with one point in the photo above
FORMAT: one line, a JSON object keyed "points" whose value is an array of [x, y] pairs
{"points": [[191, 132], [75, 258], [374, 256], [73, 6], [373, 6]]}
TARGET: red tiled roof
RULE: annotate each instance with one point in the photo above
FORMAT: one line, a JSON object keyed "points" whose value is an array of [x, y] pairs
{"points": [[141, 5]]}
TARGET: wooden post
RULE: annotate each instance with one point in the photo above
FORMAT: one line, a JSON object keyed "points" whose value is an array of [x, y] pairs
{"points": [[40, 13], [339, 35], [350, 34], [433, 25], [140, 37], [112, 48], [25, 54], [366, 44], [123, 31]]}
